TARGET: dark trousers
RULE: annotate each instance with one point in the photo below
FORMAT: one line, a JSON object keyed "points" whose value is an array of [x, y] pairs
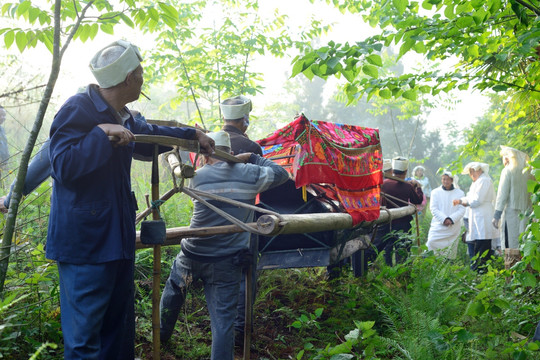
{"points": [[482, 252], [389, 239], [96, 305]]}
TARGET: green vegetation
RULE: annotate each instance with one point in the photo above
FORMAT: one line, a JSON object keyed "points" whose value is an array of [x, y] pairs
{"points": [[427, 308]]}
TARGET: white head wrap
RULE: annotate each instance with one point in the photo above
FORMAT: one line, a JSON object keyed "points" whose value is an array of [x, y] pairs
{"points": [[116, 72], [448, 173], [475, 165], [221, 138], [387, 165], [516, 158], [236, 111], [400, 163]]}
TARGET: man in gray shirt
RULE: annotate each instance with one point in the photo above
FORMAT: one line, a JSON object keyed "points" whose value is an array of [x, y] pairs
{"points": [[215, 259]]}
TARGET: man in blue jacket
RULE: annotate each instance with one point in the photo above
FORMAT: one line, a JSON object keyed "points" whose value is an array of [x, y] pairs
{"points": [[91, 231]]}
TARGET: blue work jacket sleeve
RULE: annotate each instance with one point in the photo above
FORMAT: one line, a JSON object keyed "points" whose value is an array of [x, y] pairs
{"points": [[78, 146]]}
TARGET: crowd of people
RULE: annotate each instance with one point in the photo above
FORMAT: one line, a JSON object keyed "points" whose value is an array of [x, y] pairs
{"points": [[485, 219], [91, 232]]}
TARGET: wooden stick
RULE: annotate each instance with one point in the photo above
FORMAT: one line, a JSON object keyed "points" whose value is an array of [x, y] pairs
{"points": [[247, 312], [291, 224], [156, 278]]}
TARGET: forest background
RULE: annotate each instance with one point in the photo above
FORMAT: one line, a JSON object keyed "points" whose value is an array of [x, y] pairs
{"points": [[426, 308]]}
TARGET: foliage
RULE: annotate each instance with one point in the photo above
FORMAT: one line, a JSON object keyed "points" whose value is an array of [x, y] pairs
{"points": [[213, 61], [494, 42]]}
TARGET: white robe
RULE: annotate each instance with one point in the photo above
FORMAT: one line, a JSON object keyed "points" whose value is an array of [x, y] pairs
{"points": [[442, 238], [513, 199], [480, 198]]}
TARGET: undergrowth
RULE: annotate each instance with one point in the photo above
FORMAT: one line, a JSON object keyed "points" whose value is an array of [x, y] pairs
{"points": [[427, 308]]}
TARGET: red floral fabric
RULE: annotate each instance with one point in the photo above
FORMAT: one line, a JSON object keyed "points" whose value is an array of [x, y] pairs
{"points": [[346, 157]]}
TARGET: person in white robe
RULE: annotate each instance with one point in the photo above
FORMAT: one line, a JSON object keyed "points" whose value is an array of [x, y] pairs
{"points": [[447, 218], [480, 199], [513, 205]]}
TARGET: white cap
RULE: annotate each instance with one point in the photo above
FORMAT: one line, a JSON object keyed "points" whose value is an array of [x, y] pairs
{"points": [[447, 173], [116, 72], [236, 111], [387, 164], [400, 164], [221, 138], [516, 158], [475, 165]]}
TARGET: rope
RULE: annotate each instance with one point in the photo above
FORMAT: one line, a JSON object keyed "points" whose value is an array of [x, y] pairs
{"points": [[197, 194], [155, 204]]}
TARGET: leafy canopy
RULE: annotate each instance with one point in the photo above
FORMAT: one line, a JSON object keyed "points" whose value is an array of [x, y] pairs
{"points": [[494, 41]]}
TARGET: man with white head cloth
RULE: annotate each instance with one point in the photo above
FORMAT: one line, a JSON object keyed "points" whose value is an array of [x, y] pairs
{"points": [[480, 199], [513, 200], [447, 218], [217, 260], [392, 237], [91, 231], [235, 112]]}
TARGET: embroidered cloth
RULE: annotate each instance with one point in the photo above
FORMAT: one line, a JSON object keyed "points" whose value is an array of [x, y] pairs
{"points": [[347, 159]]}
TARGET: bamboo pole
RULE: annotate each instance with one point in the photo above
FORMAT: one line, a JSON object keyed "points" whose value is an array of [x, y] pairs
{"points": [[291, 224], [156, 278], [247, 311]]}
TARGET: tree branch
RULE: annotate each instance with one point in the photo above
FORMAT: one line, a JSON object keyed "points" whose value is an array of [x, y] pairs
{"points": [[529, 6]]}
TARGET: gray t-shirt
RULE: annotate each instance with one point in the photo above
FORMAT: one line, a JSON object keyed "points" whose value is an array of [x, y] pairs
{"points": [[240, 182]]}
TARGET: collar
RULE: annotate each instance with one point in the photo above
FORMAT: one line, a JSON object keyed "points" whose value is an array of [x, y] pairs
{"points": [[101, 104], [233, 129]]}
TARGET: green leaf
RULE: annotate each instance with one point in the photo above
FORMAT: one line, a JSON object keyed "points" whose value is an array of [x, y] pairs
{"points": [[533, 346], [370, 70], [527, 279], [153, 13], [406, 46], [126, 20], [500, 88], [20, 40], [332, 62], [479, 16], [449, 12], [107, 28], [464, 22], [23, 8], [427, 5], [298, 67], [385, 93], [409, 95], [296, 324], [375, 60], [473, 50], [475, 308], [169, 10], [8, 38], [349, 75], [322, 53], [465, 336], [400, 5], [420, 48], [425, 89]]}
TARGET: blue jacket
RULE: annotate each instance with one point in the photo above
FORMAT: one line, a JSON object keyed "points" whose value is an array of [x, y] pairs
{"points": [[92, 218]]}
